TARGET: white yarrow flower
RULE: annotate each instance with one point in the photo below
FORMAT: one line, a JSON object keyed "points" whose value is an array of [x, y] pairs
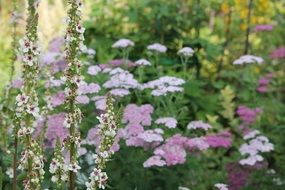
{"points": [[123, 43]]}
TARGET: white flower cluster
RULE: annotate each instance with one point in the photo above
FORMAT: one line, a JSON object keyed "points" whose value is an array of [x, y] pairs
{"points": [[257, 144], [107, 131], [33, 160], [221, 186], [164, 85], [123, 43], [58, 167], [248, 59], [157, 47], [98, 178], [121, 79], [29, 51], [73, 119], [199, 125], [186, 52], [74, 39], [142, 62], [27, 106], [169, 122]]}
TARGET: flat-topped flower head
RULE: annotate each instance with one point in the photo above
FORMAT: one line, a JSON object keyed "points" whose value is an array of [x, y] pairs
{"points": [[186, 52], [169, 122], [123, 44], [156, 47], [252, 150], [248, 59], [143, 62], [198, 125]]}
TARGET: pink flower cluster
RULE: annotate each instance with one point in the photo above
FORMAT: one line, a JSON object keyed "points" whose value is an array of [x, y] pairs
{"points": [[247, 115], [278, 53], [264, 27], [174, 151], [263, 83], [223, 139]]}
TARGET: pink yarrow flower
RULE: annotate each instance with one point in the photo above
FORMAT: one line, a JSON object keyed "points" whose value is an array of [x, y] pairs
{"points": [[169, 122]]}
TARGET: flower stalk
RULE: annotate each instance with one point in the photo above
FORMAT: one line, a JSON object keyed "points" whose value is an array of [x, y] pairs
{"points": [[108, 128], [74, 46], [27, 106]]}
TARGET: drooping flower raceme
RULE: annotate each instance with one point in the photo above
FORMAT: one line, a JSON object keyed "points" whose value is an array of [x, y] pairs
{"points": [[248, 59], [27, 106], [107, 130]]}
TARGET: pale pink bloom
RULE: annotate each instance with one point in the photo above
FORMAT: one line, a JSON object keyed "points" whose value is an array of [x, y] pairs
{"points": [[154, 161], [17, 83], [278, 53], [94, 70], [91, 88], [55, 129], [199, 125], [143, 62], [123, 43], [100, 102], [120, 92], [169, 122], [83, 99], [58, 99], [197, 143], [220, 140], [134, 114], [264, 27]]}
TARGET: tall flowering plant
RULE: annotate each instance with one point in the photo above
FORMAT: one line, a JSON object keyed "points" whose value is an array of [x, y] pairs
{"points": [[107, 130], [74, 45], [27, 106]]}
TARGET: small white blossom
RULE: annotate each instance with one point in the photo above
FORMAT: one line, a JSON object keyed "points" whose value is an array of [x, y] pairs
{"points": [[157, 48], [186, 52], [123, 43]]}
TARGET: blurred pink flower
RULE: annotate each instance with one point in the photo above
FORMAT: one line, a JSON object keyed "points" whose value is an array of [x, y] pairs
{"points": [[58, 99], [264, 27], [17, 83], [134, 114], [278, 53], [55, 129], [169, 122], [83, 99], [247, 115], [154, 161], [219, 140]]}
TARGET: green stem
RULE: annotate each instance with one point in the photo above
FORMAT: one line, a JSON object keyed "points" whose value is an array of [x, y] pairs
{"points": [[246, 46]]}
